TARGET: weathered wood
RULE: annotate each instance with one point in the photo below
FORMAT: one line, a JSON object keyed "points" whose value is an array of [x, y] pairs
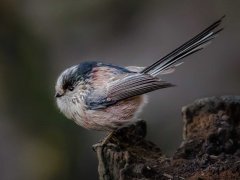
{"points": [[210, 147]]}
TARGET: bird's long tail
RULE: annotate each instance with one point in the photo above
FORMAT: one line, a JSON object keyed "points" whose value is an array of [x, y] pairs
{"points": [[168, 63]]}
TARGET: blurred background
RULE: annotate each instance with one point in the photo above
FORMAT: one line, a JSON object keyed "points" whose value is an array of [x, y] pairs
{"points": [[40, 38]]}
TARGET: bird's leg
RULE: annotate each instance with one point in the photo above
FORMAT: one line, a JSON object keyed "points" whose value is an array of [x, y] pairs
{"points": [[104, 142], [107, 138]]}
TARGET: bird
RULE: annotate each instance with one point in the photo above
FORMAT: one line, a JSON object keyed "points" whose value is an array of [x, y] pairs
{"points": [[105, 97]]}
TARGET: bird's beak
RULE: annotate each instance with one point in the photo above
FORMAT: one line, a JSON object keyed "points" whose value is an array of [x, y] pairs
{"points": [[59, 94]]}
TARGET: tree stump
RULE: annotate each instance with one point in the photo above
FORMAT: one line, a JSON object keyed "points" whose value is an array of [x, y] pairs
{"points": [[210, 148]]}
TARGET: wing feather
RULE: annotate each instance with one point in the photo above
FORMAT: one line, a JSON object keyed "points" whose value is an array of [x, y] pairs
{"points": [[135, 85], [129, 86]]}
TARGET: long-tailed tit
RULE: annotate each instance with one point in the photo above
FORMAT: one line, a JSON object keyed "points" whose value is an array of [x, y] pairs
{"points": [[104, 97]]}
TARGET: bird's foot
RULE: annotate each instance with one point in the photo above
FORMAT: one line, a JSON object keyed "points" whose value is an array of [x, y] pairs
{"points": [[101, 146]]}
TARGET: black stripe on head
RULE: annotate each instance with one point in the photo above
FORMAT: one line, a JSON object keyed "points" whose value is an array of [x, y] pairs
{"points": [[80, 73]]}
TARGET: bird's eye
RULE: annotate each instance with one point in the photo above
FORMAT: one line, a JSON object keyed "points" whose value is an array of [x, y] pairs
{"points": [[70, 88]]}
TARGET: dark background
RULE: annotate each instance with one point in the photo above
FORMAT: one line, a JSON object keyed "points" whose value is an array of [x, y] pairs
{"points": [[40, 38]]}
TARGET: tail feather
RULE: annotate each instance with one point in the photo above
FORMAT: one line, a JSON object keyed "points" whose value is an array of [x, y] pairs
{"points": [[195, 44]]}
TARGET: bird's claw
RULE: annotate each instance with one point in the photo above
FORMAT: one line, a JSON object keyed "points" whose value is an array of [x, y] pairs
{"points": [[103, 145]]}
